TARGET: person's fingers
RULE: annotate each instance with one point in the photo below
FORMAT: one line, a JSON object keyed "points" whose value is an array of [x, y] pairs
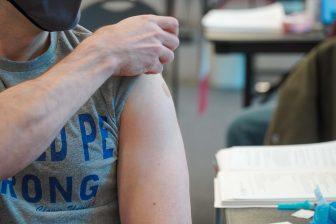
{"points": [[169, 24], [169, 40], [156, 68], [166, 55]]}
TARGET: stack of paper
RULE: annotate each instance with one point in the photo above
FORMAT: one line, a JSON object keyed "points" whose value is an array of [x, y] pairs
{"points": [[263, 20], [267, 175]]}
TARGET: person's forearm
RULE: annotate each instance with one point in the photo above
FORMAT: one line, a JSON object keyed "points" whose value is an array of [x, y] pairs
{"points": [[33, 112]]}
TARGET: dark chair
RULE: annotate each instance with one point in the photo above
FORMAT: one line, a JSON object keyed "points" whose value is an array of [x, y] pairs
{"points": [[96, 15]]}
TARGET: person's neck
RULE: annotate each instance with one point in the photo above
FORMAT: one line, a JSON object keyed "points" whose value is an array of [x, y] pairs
{"points": [[20, 40]]}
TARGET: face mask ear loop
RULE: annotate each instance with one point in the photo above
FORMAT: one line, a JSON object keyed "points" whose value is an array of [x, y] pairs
{"points": [[25, 14]]}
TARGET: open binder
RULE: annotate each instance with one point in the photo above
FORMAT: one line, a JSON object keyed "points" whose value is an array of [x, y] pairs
{"points": [[267, 175]]}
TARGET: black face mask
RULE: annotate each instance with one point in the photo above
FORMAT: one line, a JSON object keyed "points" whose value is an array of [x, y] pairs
{"points": [[50, 15]]}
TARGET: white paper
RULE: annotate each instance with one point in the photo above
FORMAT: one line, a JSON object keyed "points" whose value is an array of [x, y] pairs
{"points": [[296, 157], [266, 176], [216, 194], [304, 214], [275, 186], [261, 20]]}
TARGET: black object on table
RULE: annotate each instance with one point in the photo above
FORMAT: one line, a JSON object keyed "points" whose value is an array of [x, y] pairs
{"points": [[252, 45]]}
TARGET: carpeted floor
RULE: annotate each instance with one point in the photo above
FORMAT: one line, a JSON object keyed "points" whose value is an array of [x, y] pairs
{"points": [[203, 136]]}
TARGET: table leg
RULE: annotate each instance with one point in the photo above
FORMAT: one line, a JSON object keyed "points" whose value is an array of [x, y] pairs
{"points": [[249, 80], [170, 11], [204, 6], [218, 216], [170, 7], [175, 79]]}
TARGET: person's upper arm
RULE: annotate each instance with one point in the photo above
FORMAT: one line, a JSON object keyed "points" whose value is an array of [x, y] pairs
{"points": [[153, 178]]}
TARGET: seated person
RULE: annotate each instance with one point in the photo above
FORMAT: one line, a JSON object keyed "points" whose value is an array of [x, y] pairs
{"points": [[79, 143], [250, 126], [303, 110]]}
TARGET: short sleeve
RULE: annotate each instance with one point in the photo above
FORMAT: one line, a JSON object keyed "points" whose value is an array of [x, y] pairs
{"points": [[115, 92], [116, 89]]}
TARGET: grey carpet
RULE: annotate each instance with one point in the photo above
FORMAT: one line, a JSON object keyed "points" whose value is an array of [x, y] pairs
{"points": [[203, 136]]}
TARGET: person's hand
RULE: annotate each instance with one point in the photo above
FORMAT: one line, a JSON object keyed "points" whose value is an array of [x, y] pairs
{"points": [[138, 45]]}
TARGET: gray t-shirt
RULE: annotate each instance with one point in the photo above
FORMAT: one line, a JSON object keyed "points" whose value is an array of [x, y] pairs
{"points": [[75, 180]]}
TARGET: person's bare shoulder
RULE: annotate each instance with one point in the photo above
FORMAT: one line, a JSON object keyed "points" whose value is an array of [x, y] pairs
{"points": [[150, 92], [152, 171], [151, 107]]}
